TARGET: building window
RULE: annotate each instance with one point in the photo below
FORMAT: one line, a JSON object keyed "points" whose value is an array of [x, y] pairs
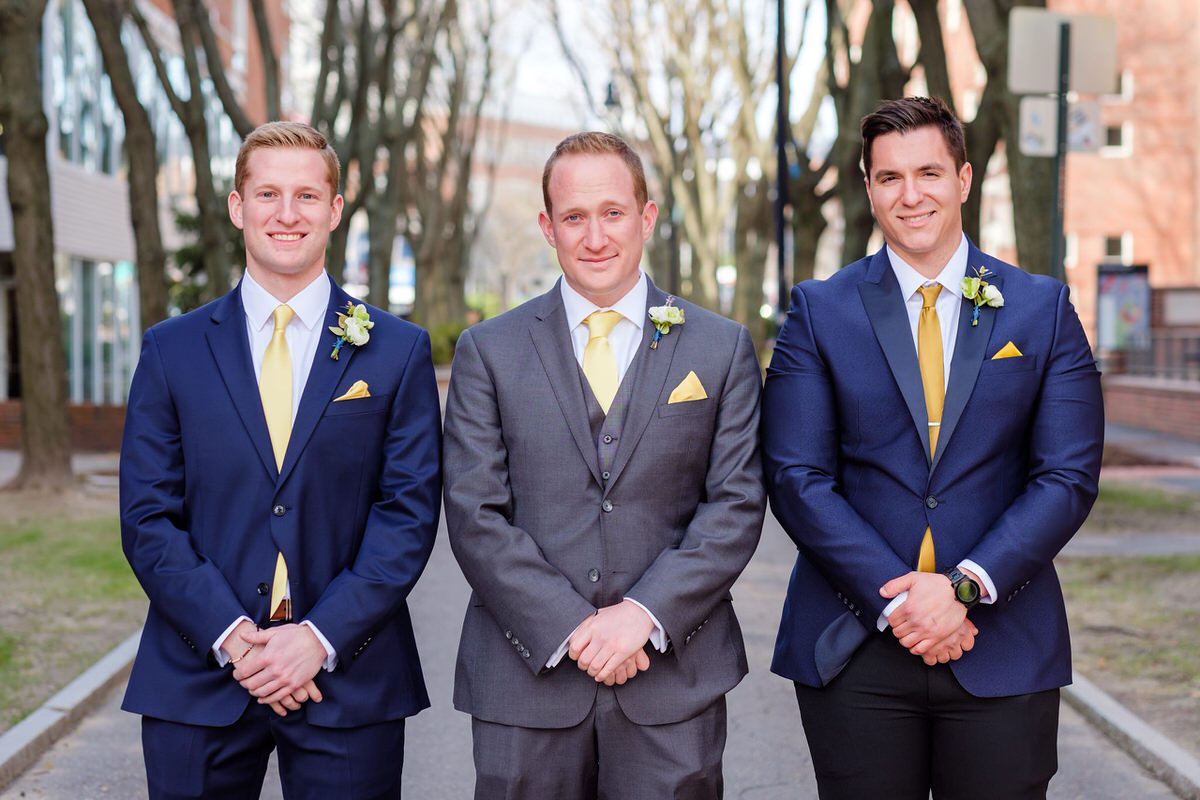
{"points": [[1118, 140], [1124, 88], [100, 326], [1071, 250], [1119, 249]]}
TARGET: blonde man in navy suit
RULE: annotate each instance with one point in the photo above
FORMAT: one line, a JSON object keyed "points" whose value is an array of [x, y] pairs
{"points": [[279, 499]]}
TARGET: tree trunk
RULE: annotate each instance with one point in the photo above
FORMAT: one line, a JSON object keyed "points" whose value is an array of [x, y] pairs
{"points": [[381, 212], [983, 134], [140, 148], [1032, 182], [751, 245], [45, 427], [440, 293]]}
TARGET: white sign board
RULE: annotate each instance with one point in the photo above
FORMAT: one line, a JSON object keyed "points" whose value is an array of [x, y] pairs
{"points": [[1039, 126], [1033, 52]]}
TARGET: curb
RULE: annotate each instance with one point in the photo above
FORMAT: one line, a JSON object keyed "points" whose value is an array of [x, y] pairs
{"points": [[1163, 758], [25, 742]]}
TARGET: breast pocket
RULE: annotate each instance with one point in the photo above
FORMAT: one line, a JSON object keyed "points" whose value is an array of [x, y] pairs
{"points": [[1008, 366], [362, 405], [687, 407]]}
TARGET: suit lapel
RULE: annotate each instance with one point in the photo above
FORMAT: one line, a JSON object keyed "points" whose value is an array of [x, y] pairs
{"points": [[649, 379], [323, 379], [552, 340], [885, 308], [970, 347], [231, 350]]}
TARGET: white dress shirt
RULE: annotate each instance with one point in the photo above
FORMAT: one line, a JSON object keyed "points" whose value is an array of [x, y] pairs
{"points": [[303, 334], [949, 307], [624, 339]]}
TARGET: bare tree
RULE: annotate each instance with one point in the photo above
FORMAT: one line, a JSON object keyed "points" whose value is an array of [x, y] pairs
{"points": [[213, 219], [45, 429], [140, 149], [696, 73], [401, 93]]}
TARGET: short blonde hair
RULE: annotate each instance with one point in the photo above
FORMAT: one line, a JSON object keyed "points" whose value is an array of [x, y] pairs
{"points": [[597, 143], [286, 134]]}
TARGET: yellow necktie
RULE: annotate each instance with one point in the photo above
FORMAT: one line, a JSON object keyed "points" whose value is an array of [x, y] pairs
{"points": [[275, 388], [599, 363], [932, 361]]}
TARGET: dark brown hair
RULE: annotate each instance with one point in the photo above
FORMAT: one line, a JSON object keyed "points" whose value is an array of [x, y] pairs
{"points": [[908, 114], [597, 143]]}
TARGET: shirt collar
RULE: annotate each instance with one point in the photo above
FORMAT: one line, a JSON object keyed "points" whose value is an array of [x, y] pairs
{"points": [[632, 306], [950, 277], [309, 304]]}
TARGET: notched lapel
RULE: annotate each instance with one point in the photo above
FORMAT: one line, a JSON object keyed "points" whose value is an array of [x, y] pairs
{"points": [[323, 380], [650, 377], [552, 340], [970, 349], [889, 318], [231, 350]]}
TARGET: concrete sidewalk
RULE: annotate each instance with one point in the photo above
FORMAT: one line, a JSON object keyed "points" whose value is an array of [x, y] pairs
{"points": [[766, 757]]}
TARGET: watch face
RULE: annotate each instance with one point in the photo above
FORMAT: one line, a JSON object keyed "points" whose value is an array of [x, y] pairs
{"points": [[967, 591]]}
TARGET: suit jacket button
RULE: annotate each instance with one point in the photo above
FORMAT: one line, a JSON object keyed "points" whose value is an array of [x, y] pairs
{"points": [[606, 505], [593, 574], [262, 589], [931, 501], [508, 634], [608, 438], [278, 510], [605, 475], [524, 653]]}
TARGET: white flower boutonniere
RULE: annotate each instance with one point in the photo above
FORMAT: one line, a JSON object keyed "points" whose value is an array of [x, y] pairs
{"points": [[354, 327], [663, 318], [981, 292]]}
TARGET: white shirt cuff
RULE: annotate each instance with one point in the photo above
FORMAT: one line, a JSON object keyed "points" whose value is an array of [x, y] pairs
{"points": [[331, 659], [984, 577], [658, 636], [897, 601], [218, 654], [560, 652]]}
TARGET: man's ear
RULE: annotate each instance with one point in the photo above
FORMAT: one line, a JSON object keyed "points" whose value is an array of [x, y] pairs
{"points": [[547, 228], [338, 204], [235, 209]]}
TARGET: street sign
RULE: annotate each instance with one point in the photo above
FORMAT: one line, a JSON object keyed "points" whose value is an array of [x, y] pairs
{"points": [[1038, 134], [1033, 52]]}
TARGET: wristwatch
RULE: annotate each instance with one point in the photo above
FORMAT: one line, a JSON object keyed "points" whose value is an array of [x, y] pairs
{"points": [[966, 591]]}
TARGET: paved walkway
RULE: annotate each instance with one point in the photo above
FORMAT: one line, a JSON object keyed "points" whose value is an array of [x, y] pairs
{"points": [[766, 757]]}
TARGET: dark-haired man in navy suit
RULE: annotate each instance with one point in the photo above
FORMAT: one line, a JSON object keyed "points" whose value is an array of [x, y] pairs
{"points": [[279, 498], [932, 430]]}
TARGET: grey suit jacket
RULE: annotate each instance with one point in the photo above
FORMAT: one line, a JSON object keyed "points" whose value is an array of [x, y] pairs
{"points": [[544, 538]]}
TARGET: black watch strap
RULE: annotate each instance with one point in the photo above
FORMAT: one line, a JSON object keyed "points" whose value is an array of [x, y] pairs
{"points": [[966, 590]]}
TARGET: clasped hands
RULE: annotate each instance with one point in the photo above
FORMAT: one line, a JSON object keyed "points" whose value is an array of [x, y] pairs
{"points": [[930, 623], [278, 664], [609, 644]]}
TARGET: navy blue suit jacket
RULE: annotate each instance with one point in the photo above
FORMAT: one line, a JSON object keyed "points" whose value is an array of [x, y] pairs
{"points": [[846, 453], [204, 512]]}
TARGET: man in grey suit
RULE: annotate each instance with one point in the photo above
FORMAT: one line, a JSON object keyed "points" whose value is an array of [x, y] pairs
{"points": [[603, 491]]}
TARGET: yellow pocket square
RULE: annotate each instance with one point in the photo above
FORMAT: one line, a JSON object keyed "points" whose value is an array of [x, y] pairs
{"points": [[1008, 351], [688, 389], [358, 390]]}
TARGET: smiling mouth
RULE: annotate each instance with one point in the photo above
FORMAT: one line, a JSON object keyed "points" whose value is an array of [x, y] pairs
{"points": [[917, 219], [287, 237]]}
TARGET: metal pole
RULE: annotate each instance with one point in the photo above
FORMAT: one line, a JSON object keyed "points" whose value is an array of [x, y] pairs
{"points": [[1057, 245], [781, 161]]}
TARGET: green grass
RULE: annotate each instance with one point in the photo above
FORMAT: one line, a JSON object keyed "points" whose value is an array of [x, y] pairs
{"points": [[69, 597], [1125, 497], [1139, 617]]}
